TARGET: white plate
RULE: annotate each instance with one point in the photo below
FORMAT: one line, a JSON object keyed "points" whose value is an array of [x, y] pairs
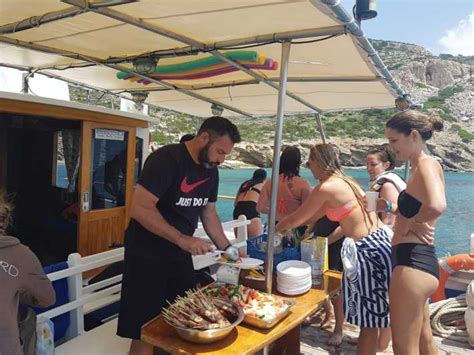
{"points": [[293, 268], [294, 292], [297, 284], [247, 263]]}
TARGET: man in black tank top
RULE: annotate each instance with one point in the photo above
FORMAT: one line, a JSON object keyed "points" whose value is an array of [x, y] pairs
{"points": [[178, 184]]}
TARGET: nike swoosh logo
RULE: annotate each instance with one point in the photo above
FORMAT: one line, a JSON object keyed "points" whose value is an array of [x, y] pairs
{"points": [[187, 188]]}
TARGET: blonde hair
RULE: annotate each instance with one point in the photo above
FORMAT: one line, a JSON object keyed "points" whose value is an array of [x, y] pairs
{"points": [[325, 158], [407, 121], [6, 209]]}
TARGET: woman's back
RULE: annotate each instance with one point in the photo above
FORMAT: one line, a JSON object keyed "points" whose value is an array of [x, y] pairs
{"points": [[291, 194], [250, 194], [23, 281]]}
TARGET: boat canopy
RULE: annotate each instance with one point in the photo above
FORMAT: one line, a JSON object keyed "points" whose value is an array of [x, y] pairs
{"points": [[206, 48]]}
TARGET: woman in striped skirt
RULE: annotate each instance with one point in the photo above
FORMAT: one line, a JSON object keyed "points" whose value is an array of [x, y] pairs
{"points": [[366, 249]]}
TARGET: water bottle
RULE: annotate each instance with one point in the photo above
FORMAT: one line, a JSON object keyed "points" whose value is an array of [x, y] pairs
{"points": [[316, 275]]}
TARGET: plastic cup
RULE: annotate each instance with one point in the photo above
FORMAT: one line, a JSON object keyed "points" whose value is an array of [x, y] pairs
{"points": [[372, 197]]}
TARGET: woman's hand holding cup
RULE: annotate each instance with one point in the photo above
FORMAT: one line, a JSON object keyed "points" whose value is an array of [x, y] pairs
{"points": [[371, 198]]}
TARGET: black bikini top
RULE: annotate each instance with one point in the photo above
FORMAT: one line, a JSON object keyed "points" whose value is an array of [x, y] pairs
{"points": [[254, 189], [408, 206]]}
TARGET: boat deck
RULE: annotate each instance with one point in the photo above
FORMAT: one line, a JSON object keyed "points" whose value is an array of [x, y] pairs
{"points": [[313, 341]]}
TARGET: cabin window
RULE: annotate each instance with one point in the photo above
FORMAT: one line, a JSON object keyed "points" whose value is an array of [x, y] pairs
{"points": [[59, 166], [109, 168], [66, 158], [138, 158]]}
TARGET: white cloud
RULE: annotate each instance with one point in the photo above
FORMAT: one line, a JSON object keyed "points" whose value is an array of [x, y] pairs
{"points": [[459, 39]]}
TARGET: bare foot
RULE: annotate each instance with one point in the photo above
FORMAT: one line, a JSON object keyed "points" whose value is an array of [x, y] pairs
{"points": [[308, 321], [352, 340], [327, 314], [325, 322], [335, 339]]}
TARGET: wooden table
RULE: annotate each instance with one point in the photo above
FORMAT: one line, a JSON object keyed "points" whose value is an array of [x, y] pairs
{"points": [[246, 339]]}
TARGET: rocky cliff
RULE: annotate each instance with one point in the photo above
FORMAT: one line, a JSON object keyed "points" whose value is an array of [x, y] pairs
{"points": [[450, 152]]}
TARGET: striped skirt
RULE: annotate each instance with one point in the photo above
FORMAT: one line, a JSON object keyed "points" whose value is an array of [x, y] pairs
{"points": [[367, 273]]}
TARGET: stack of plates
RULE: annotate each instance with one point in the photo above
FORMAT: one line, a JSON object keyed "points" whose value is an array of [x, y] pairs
{"points": [[293, 277]]}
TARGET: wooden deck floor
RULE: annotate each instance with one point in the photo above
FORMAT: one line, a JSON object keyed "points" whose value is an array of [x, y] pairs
{"points": [[313, 341]]}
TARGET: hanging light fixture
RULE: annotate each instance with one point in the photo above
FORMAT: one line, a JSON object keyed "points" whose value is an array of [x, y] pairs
{"points": [[144, 65], [139, 98], [403, 102], [216, 110], [365, 9]]}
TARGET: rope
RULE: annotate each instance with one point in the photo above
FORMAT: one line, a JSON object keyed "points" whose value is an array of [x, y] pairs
{"points": [[224, 197], [446, 314]]}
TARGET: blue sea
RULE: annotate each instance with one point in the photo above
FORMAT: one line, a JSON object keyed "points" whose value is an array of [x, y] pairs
{"points": [[453, 230], [454, 227]]}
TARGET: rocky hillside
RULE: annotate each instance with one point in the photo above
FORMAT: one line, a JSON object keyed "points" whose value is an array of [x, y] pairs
{"points": [[444, 84]]}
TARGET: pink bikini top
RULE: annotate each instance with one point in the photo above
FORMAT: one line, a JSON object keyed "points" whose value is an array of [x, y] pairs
{"points": [[337, 214]]}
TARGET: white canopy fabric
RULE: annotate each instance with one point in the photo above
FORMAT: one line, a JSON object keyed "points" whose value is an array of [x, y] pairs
{"points": [[86, 43]]}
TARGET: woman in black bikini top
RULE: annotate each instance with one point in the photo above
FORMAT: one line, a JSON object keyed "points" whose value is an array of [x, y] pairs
{"points": [[414, 262], [246, 202]]}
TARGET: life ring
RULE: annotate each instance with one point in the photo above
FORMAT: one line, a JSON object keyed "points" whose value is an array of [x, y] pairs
{"points": [[449, 266]]}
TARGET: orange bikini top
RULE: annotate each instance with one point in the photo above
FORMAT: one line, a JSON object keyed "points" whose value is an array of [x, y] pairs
{"points": [[337, 214]]}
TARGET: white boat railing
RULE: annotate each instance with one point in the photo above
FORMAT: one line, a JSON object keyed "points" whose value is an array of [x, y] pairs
{"points": [[85, 298]]}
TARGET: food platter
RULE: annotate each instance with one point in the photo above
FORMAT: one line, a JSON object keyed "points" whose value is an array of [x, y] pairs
{"points": [[262, 310], [200, 318]]}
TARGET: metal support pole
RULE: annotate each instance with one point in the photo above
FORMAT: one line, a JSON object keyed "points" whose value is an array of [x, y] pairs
{"points": [[320, 126], [25, 88], [285, 54], [407, 170]]}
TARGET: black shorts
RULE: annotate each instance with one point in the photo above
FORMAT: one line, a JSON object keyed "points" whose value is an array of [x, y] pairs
{"points": [[417, 256], [146, 286], [247, 208], [334, 255]]}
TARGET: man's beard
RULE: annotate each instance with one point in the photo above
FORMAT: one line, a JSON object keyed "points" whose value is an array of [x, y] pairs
{"points": [[203, 157]]}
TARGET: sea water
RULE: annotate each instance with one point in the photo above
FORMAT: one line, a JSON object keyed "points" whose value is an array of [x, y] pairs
{"points": [[452, 232]]}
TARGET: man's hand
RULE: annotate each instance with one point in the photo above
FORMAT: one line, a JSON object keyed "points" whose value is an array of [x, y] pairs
{"points": [[423, 231], [194, 246], [232, 252]]}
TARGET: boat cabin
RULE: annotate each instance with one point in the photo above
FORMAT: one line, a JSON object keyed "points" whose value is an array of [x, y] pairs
{"points": [[70, 170]]}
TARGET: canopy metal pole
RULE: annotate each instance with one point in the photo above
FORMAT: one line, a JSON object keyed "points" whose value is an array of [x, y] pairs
{"points": [[285, 54], [25, 88], [320, 126]]}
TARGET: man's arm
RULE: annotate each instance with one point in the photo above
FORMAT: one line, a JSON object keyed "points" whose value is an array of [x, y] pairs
{"points": [[213, 227], [144, 211]]}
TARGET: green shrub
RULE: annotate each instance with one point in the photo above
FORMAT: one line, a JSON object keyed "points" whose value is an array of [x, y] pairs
{"points": [[421, 85], [465, 136], [447, 117], [449, 91]]}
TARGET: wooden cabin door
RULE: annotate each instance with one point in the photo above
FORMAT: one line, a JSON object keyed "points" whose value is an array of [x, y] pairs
{"points": [[105, 185]]}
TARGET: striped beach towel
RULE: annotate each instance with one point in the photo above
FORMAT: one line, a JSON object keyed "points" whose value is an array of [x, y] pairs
{"points": [[367, 273]]}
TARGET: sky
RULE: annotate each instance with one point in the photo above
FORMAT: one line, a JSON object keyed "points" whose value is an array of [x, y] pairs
{"points": [[441, 26]]}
